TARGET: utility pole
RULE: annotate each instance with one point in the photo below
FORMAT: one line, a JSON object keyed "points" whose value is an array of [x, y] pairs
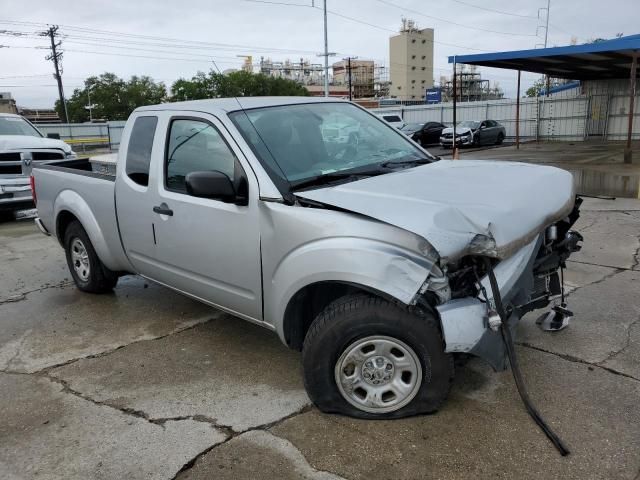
{"points": [[326, 52], [56, 57], [348, 59]]}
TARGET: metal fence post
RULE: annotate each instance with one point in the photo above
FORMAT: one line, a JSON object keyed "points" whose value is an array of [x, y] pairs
{"points": [[537, 119], [109, 135], [586, 118], [606, 121]]}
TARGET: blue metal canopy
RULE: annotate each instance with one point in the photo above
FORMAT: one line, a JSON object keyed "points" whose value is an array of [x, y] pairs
{"points": [[605, 59]]}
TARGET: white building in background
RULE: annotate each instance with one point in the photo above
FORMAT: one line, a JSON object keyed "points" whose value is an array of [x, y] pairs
{"points": [[410, 62]]}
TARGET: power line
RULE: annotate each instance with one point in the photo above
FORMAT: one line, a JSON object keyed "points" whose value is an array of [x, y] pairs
{"points": [[452, 22], [395, 31], [502, 12]]}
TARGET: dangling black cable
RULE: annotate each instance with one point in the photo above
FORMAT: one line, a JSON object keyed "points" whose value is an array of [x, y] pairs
{"points": [[515, 368]]}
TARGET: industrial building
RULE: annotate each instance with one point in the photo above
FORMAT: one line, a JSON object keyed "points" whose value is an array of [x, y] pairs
{"points": [[470, 86], [362, 73], [7, 103], [411, 62]]}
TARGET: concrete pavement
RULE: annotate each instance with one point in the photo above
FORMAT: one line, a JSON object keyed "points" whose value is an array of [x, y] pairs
{"points": [[145, 383]]}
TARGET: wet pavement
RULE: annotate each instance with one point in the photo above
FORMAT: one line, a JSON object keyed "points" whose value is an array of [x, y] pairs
{"points": [[145, 383], [597, 167]]}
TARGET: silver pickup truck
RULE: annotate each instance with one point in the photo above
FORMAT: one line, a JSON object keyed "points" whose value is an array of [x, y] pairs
{"points": [[369, 255], [21, 146]]}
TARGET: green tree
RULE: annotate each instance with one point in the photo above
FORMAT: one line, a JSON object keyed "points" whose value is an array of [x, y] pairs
{"points": [[112, 98], [235, 84], [535, 89]]}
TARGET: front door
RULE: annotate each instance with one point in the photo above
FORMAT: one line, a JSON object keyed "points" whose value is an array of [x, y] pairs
{"points": [[206, 247]]}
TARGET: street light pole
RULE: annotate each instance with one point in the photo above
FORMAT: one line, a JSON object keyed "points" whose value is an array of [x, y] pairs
{"points": [[90, 106]]}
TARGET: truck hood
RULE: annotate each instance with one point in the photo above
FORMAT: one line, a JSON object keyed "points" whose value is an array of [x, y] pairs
{"points": [[461, 206], [23, 142]]}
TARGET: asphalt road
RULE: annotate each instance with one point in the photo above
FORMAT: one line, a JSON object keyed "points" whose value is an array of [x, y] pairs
{"points": [[147, 384]]}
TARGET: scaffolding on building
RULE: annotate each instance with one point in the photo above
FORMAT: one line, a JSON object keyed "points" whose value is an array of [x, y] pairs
{"points": [[303, 72], [470, 87]]}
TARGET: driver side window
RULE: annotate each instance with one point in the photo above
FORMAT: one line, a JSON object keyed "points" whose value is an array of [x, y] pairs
{"points": [[195, 146]]}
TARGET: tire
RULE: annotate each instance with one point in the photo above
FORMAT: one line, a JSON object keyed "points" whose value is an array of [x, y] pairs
{"points": [[88, 272], [360, 322], [500, 139]]}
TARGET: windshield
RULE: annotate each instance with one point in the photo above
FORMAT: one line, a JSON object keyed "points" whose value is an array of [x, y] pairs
{"points": [[469, 124], [299, 142], [412, 126], [17, 126]]}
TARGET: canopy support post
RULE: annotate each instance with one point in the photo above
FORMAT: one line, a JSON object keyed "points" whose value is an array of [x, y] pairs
{"points": [[518, 114], [455, 121], [632, 97]]}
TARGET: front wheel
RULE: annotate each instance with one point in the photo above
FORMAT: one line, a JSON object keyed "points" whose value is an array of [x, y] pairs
{"points": [[368, 358], [88, 272]]}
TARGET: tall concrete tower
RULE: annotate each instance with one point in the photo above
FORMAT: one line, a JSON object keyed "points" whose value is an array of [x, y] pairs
{"points": [[411, 61]]}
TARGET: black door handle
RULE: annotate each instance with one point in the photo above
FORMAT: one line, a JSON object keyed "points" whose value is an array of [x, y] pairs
{"points": [[163, 209]]}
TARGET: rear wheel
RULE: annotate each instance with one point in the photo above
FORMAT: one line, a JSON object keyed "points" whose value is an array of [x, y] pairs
{"points": [[500, 139], [88, 272], [368, 358]]}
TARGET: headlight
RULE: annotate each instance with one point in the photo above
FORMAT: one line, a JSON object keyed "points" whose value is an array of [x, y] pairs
{"points": [[70, 154]]}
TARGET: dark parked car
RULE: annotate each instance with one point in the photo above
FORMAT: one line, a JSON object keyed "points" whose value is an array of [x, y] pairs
{"points": [[424, 133], [471, 132]]}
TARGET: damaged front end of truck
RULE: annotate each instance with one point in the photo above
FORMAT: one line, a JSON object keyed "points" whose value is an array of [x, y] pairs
{"points": [[529, 279]]}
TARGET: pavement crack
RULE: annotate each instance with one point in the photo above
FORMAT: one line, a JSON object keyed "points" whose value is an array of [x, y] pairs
{"points": [[626, 344], [66, 388], [229, 431], [616, 271], [21, 296], [573, 359], [105, 353]]}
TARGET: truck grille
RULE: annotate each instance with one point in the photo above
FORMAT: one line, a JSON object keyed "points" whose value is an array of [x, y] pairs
{"points": [[10, 169], [36, 155], [48, 155], [10, 157]]}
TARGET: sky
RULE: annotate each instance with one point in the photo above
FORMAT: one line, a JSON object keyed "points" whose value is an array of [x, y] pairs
{"points": [[157, 37]]}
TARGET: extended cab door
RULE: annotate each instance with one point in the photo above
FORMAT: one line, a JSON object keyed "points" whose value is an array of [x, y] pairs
{"points": [[135, 189], [208, 248]]}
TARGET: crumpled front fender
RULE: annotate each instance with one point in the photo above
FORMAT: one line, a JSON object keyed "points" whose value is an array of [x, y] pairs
{"points": [[394, 271]]}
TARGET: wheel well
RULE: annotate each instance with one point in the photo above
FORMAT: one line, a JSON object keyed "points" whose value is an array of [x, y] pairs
{"points": [[308, 302], [62, 222]]}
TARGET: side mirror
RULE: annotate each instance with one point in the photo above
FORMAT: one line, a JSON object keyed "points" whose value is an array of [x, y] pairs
{"points": [[55, 136], [212, 184]]}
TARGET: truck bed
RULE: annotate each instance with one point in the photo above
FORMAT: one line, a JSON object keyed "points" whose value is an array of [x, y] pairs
{"points": [[72, 188]]}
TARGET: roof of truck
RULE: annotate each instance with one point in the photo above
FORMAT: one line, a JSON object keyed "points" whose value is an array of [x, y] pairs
{"points": [[216, 105]]}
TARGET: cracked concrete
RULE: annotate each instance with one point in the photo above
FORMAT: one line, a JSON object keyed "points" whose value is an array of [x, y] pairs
{"points": [[258, 455], [63, 324], [145, 383], [230, 370], [483, 431], [49, 434]]}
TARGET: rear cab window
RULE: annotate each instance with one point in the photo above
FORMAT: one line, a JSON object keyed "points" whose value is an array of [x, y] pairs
{"points": [[139, 149]]}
